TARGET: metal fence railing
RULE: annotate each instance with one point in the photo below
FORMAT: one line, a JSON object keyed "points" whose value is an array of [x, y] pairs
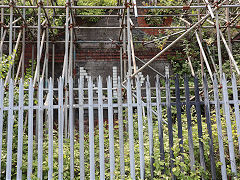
{"points": [[144, 132]]}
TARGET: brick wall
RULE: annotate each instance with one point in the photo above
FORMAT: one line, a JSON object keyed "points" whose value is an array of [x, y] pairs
{"points": [[99, 58]]}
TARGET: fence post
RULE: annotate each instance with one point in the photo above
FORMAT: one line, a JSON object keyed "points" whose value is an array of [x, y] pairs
{"points": [[71, 127], [30, 129], [219, 128], [91, 128], [179, 112], [236, 106], [170, 128], [120, 121], [229, 126], [10, 131], [189, 125], [60, 128], [150, 126], [199, 123], [110, 126], [50, 129], [140, 129], [209, 127], [81, 127], [20, 130], [160, 121], [40, 129], [101, 129], [130, 128]]}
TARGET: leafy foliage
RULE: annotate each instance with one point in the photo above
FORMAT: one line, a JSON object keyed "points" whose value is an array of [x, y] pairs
{"points": [[181, 169]]}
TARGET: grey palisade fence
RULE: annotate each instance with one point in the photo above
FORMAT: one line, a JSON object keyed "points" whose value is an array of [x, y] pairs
{"points": [[90, 117]]}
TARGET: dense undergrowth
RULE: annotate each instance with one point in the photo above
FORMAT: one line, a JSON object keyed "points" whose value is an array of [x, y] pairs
{"points": [[181, 169]]}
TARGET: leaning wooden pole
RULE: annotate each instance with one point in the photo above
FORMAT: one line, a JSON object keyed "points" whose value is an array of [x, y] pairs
{"points": [[65, 63], [204, 56], [13, 55], [175, 41], [229, 33], [23, 40], [200, 32], [219, 45], [129, 40]]}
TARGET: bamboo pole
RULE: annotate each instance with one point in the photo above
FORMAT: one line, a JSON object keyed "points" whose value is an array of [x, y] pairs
{"points": [[65, 64], [228, 33], [39, 52], [229, 53], [13, 55], [70, 50], [19, 67], [133, 54], [228, 50], [23, 41], [121, 47], [129, 40], [153, 69], [2, 39], [10, 28], [32, 73], [219, 46], [188, 24], [37, 72], [47, 43], [204, 56], [135, 8], [200, 32], [158, 39], [190, 65], [175, 41], [209, 8], [212, 60]]}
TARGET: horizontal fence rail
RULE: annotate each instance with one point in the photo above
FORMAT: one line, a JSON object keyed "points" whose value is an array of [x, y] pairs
{"points": [[79, 131]]}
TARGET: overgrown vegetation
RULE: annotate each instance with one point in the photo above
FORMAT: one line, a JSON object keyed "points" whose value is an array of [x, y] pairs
{"points": [[188, 46], [179, 65], [181, 169]]}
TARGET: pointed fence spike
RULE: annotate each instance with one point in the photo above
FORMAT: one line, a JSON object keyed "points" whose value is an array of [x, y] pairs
{"points": [[170, 123], [20, 130], [199, 122], [160, 121], [189, 124], [130, 128], [91, 128], [10, 130], [140, 129], [101, 128], [219, 128], [150, 126], [81, 126], [60, 128], [236, 106], [179, 112], [121, 136], [111, 128], [229, 125]]}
